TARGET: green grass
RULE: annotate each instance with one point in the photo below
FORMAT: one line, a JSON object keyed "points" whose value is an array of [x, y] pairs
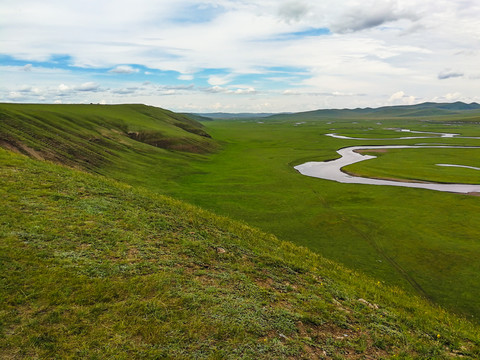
{"points": [[95, 269], [92, 136], [96, 137], [423, 241], [420, 164]]}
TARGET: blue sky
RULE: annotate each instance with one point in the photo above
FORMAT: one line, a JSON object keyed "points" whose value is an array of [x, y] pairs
{"points": [[240, 55]]}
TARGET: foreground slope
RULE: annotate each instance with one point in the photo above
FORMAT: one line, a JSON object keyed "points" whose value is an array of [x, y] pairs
{"points": [[91, 268]]}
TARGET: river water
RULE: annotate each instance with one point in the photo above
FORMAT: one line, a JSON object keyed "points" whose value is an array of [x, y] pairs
{"points": [[331, 170]]}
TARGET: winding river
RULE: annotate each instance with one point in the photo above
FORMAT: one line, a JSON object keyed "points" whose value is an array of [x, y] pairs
{"points": [[332, 170]]}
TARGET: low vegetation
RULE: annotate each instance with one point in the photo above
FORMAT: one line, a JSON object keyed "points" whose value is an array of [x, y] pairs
{"points": [[91, 136], [421, 165], [95, 268], [92, 268]]}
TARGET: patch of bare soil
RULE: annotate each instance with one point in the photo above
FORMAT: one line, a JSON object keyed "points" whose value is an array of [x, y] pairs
{"points": [[20, 148], [474, 193], [322, 337]]}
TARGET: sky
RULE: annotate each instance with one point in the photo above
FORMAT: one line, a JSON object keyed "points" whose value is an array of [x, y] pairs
{"points": [[240, 55]]}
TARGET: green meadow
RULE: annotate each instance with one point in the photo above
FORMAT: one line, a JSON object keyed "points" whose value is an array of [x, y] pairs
{"points": [[421, 241], [421, 165]]}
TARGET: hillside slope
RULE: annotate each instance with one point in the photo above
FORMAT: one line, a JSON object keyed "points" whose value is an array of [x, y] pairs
{"points": [[89, 136], [91, 268]]}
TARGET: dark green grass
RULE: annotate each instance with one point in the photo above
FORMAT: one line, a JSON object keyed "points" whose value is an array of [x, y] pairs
{"points": [[95, 269]]}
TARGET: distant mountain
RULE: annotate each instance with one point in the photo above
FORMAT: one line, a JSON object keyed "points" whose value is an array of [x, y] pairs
{"points": [[197, 117], [231, 116], [423, 109], [449, 106], [456, 106]]}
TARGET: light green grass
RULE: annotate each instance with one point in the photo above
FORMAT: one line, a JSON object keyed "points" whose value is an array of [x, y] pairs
{"points": [[420, 164], [421, 240]]}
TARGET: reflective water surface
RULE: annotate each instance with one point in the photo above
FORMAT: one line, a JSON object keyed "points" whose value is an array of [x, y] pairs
{"points": [[331, 170]]}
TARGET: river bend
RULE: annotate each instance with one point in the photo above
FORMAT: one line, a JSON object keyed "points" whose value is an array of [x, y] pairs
{"points": [[331, 170]]}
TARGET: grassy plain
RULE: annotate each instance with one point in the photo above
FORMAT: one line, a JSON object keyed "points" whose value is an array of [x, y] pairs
{"points": [[95, 269], [423, 241]]}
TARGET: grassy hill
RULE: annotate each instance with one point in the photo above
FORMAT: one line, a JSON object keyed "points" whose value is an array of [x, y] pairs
{"points": [[89, 136], [93, 268], [96, 269]]}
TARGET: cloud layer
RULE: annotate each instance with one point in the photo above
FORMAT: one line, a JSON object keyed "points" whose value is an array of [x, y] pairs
{"points": [[241, 56]]}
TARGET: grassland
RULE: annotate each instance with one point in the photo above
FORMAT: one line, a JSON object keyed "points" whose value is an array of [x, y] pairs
{"points": [[422, 241], [95, 269], [421, 164]]}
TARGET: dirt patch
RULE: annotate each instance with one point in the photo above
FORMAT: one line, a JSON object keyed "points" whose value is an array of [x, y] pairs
{"points": [[20, 148], [319, 340], [474, 193]]}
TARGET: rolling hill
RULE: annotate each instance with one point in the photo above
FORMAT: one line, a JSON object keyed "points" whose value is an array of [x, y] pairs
{"points": [[419, 110], [95, 268], [89, 135]]}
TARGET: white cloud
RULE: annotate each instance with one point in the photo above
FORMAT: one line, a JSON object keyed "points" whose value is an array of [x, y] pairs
{"points": [[375, 48], [215, 89], [219, 80], [249, 90], [186, 77], [14, 95], [398, 95], [400, 98], [88, 86], [453, 96], [124, 69], [63, 88], [291, 92]]}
